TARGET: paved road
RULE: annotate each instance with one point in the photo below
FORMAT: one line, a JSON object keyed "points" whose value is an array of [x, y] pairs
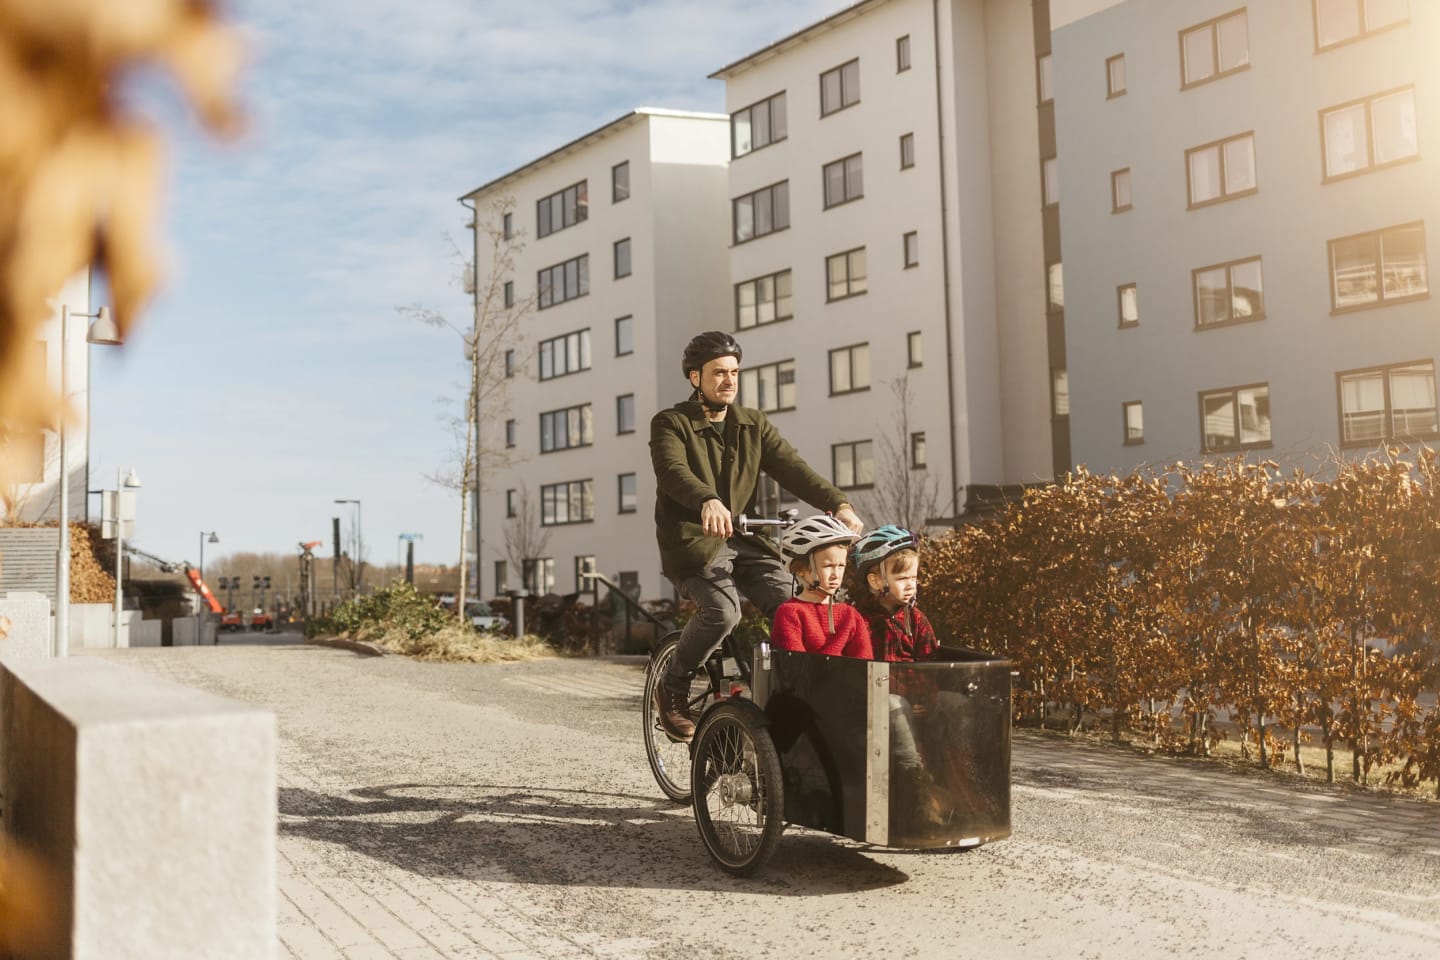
{"points": [[431, 811]]}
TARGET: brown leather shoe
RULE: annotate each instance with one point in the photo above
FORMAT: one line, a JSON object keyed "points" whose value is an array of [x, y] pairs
{"points": [[672, 708]]}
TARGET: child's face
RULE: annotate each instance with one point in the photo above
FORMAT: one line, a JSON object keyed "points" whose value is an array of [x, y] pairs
{"points": [[903, 574], [829, 565]]}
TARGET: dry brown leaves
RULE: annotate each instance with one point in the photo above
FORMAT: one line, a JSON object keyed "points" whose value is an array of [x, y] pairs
{"points": [[77, 174]]}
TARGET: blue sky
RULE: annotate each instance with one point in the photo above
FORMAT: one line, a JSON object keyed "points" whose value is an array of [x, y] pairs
{"points": [[273, 373]]}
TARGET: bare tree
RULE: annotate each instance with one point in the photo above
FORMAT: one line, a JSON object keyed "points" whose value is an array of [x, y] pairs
{"points": [[492, 355], [525, 537], [905, 493]]}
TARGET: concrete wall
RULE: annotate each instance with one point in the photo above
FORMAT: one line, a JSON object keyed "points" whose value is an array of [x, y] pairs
{"points": [[30, 632], [153, 803]]}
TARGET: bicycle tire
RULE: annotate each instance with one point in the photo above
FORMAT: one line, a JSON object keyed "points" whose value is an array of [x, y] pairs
{"points": [[738, 788], [669, 759]]}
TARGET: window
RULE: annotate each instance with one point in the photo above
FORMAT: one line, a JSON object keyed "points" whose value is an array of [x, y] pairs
{"points": [[850, 369], [770, 388], [627, 493], [502, 577], [509, 364], [509, 293], [507, 225], [1055, 286], [853, 464], [763, 300], [511, 432], [625, 413], [1046, 82], [562, 503], [565, 354], [564, 281], [1369, 134], [915, 356], [1115, 76], [758, 125], [844, 180], [1395, 402], [1379, 268], [912, 249], [1214, 49], [539, 575], [585, 563], [1134, 415], [840, 88], [620, 182], [1129, 305], [917, 450], [1120, 191], [1060, 392], [764, 211], [1340, 21], [562, 209], [907, 151], [1229, 293], [624, 336], [1050, 181], [564, 429], [622, 258], [510, 503], [845, 273], [1222, 170], [1235, 419], [902, 54]]}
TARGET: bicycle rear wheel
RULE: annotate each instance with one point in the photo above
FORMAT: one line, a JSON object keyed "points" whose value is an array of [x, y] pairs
{"points": [[669, 758], [739, 794]]}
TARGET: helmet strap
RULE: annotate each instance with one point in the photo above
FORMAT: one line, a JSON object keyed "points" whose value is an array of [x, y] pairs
{"points": [[708, 405]]}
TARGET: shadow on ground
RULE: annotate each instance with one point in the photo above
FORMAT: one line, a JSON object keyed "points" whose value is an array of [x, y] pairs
{"points": [[517, 834]]}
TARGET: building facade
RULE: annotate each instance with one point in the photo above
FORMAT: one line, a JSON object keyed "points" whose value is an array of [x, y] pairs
{"points": [[1245, 206], [620, 259]]}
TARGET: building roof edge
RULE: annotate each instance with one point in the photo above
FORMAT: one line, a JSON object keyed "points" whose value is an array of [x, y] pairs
{"points": [[794, 39]]}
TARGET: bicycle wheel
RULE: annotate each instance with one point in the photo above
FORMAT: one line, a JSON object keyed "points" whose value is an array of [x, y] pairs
{"points": [[669, 758], [739, 795]]}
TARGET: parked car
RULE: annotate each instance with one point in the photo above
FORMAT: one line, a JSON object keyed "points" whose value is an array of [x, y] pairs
{"points": [[483, 618]]}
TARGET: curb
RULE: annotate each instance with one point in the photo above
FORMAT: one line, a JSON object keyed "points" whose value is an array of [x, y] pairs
{"points": [[343, 643]]}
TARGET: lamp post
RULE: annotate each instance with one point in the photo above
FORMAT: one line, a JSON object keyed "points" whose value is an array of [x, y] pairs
{"points": [[409, 565], [359, 545], [206, 537], [102, 331], [132, 482]]}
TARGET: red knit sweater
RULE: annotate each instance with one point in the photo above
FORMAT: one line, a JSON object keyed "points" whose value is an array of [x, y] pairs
{"points": [[803, 626]]}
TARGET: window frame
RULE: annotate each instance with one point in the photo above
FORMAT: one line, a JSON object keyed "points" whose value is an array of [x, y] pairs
{"points": [[1120, 305], [843, 92], [1326, 177], [509, 363], [902, 54], [769, 104], [1381, 300], [849, 350], [1366, 31], [843, 163], [1225, 195], [1046, 198], [582, 351], [753, 372], [507, 225], [620, 493], [535, 572], [1057, 374], [1235, 395], [545, 227], [751, 196], [907, 150], [510, 495], [507, 294], [913, 339], [1132, 439], [1052, 304], [615, 185], [1387, 413], [582, 282], [629, 248], [923, 461], [853, 446], [755, 283], [512, 433], [1213, 25], [584, 412], [910, 249], [1111, 91], [620, 429], [1044, 79], [1116, 177], [1228, 266], [630, 318], [851, 292], [551, 490]]}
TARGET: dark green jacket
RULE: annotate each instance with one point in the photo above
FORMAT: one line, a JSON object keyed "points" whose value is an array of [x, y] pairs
{"points": [[679, 449]]}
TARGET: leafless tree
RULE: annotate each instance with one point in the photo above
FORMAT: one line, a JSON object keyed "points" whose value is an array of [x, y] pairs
{"points": [[905, 493], [525, 538]]}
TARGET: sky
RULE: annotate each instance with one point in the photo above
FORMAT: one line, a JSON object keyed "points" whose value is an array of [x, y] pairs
{"points": [[273, 373]]}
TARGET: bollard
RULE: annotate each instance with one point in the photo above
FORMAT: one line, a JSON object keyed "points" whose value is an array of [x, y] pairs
{"points": [[518, 596]]}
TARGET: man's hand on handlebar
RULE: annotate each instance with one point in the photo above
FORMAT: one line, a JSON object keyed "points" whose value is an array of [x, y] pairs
{"points": [[846, 515], [715, 520]]}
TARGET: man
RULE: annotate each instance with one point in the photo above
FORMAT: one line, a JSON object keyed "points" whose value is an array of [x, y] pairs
{"points": [[708, 455]]}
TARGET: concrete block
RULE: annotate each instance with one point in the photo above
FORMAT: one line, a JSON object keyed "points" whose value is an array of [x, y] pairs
{"points": [[146, 633], [155, 804], [30, 630], [90, 625]]}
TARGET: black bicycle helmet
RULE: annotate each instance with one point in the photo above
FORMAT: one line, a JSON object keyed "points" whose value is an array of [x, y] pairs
{"points": [[706, 347]]}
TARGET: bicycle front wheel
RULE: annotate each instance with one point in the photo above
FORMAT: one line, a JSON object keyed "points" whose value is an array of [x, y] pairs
{"points": [[669, 758], [738, 787]]}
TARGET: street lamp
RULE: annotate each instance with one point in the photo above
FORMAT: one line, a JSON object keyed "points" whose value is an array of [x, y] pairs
{"points": [[213, 537], [408, 538], [359, 546], [102, 331], [132, 482]]}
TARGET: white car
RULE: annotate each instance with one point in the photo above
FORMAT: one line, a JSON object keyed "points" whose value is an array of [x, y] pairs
{"points": [[483, 618]]}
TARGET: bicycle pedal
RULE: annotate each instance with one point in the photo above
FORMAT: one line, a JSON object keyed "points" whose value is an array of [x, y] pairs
{"points": [[736, 690]]}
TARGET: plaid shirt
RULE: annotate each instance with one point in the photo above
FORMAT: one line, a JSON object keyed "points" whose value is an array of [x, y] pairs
{"points": [[889, 638]]}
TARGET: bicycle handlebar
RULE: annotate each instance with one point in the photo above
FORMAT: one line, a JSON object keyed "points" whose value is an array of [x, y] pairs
{"points": [[787, 518]]}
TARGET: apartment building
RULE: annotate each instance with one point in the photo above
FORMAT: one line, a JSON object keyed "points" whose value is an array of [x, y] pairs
{"points": [[622, 239], [1244, 209], [884, 218]]}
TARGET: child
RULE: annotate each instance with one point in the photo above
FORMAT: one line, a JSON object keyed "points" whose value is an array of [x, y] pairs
{"points": [[888, 563], [817, 549]]}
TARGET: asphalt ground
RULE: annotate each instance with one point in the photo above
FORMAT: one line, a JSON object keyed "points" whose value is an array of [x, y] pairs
{"points": [[483, 811]]}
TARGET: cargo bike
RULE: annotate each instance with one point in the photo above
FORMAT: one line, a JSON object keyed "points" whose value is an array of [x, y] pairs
{"points": [[814, 740]]}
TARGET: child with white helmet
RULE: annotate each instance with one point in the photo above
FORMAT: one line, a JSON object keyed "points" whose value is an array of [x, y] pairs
{"points": [[818, 549]]}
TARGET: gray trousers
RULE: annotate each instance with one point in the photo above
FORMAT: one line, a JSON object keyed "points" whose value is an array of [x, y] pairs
{"points": [[740, 567]]}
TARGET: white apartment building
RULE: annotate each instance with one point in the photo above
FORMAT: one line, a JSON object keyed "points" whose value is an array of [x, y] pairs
{"points": [[624, 236], [884, 211], [1244, 205]]}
